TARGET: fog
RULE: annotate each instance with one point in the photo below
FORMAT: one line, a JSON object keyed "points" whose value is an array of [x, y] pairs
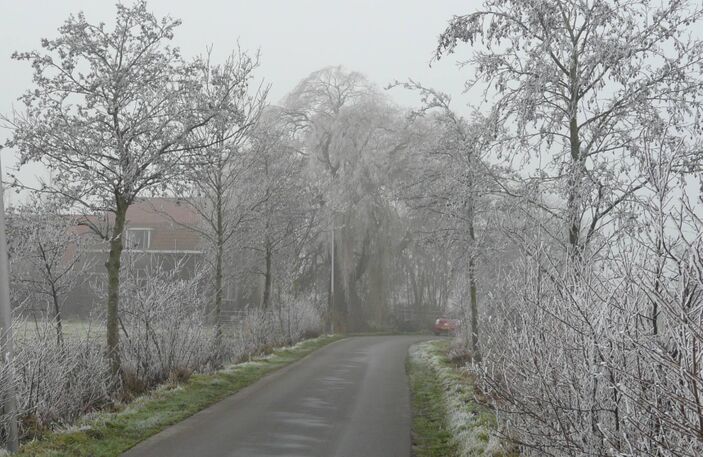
{"points": [[386, 41], [496, 206]]}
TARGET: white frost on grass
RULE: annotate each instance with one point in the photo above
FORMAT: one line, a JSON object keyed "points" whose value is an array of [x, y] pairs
{"points": [[472, 425], [256, 360], [305, 342]]}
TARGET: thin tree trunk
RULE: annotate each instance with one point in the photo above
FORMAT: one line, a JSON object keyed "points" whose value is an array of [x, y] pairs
{"points": [[473, 305], [8, 400], [54, 297], [658, 278], [472, 263], [217, 305], [219, 253], [266, 294], [573, 191], [331, 294], [219, 247], [575, 172], [339, 297], [113, 267], [57, 317]]}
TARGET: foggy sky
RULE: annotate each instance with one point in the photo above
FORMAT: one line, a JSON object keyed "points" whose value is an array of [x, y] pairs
{"points": [[385, 40]]}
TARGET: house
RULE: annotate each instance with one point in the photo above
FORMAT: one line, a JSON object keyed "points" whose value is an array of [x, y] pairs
{"points": [[157, 230], [162, 225]]}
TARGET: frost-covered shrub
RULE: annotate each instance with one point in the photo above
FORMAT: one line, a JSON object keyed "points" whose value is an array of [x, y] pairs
{"points": [[252, 332], [259, 330], [166, 333], [56, 383], [299, 320], [608, 363]]}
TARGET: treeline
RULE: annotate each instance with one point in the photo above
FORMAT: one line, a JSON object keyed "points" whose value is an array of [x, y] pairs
{"points": [[581, 199], [302, 209], [559, 218]]}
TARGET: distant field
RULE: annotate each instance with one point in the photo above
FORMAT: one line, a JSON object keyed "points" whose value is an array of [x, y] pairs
{"points": [[72, 328], [28, 329]]}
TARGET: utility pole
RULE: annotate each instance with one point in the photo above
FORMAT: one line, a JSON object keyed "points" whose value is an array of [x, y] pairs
{"points": [[7, 388], [332, 274]]}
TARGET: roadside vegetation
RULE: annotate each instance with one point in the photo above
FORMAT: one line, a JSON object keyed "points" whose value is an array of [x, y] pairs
{"points": [[279, 220], [559, 218], [109, 433], [430, 436], [448, 418]]}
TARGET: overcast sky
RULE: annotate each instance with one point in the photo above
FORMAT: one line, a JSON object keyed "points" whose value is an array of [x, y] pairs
{"points": [[386, 40]]}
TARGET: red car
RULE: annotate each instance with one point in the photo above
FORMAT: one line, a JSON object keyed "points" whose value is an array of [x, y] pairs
{"points": [[446, 326]]}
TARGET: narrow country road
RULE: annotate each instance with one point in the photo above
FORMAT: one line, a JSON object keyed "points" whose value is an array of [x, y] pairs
{"points": [[349, 399]]}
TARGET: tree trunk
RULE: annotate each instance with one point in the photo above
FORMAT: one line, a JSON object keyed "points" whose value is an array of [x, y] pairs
{"points": [[113, 267], [8, 391], [266, 294], [337, 299], [219, 253], [473, 305], [573, 190], [217, 305], [474, 309], [57, 317], [575, 171], [54, 297], [331, 295]]}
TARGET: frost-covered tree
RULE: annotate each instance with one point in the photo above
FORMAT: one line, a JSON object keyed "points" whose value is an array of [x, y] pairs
{"points": [[46, 263], [219, 188], [575, 82], [605, 97], [110, 115], [351, 136], [451, 180], [286, 217]]}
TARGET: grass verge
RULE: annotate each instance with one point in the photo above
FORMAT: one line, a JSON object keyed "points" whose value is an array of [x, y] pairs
{"points": [[109, 434], [447, 419], [431, 435]]}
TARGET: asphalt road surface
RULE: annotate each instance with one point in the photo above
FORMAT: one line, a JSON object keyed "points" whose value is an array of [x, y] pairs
{"points": [[348, 399]]}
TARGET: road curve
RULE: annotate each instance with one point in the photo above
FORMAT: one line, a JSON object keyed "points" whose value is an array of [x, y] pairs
{"points": [[348, 399]]}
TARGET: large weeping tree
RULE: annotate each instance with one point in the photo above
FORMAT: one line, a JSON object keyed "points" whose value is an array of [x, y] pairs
{"points": [[110, 114], [350, 134], [324, 108]]}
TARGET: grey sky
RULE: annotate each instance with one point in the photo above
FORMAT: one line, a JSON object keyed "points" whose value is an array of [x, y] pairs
{"points": [[386, 40]]}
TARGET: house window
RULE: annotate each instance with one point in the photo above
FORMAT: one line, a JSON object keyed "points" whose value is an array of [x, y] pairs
{"points": [[138, 238]]}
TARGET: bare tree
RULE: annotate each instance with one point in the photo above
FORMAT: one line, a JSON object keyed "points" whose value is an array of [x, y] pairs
{"points": [[110, 116], [349, 133], [606, 97], [47, 263], [576, 80], [454, 183], [285, 218], [220, 190]]}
